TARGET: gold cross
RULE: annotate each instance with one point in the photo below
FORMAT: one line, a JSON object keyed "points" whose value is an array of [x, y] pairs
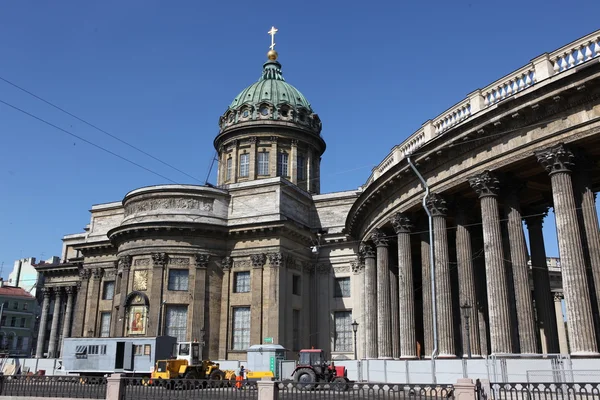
{"points": [[272, 32]]}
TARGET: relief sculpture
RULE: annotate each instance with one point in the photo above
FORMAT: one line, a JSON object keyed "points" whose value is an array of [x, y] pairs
{"points": [[141, 206]]}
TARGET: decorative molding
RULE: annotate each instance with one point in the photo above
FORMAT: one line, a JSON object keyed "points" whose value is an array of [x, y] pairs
{"points": [[171, 203], [179, 261], [141, 262], [160, 259], [401, 223], [485, 184], [258, 260], [436, 204], [110, 274], [202, 260], [556, 159], [343, 268], [242, 264], [227, 263], [366, 250]]}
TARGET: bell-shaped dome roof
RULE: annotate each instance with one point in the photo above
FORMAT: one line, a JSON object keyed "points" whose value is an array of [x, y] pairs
{"points": [[270, 99]]}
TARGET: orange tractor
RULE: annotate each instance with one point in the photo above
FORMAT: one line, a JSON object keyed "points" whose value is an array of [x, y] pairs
{"points": [[312, 370]]}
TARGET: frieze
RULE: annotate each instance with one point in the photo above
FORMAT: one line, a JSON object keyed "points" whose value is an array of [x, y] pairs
{"points": [[171, 203], [242, 264], [202, 260], [344, 268], [141, 262], [110, 274], [179, 261]]}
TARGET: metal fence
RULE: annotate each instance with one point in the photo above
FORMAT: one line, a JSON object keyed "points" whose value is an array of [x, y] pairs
{"points": [[290, 390], [172, 389], [544, 391], [53, 386]]}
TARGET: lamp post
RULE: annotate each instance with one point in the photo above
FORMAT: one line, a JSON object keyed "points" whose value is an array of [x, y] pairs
{"points": [[354, 329], [466, 308]]}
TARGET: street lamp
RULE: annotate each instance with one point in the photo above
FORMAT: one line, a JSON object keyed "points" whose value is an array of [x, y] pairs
{"points": [[466, 308], [354, 329]]}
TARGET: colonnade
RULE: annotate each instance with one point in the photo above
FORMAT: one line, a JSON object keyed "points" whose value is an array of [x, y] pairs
{"points": [[60, 294], [506, 314]]}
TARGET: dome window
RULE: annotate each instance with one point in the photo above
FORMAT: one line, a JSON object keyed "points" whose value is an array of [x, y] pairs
{"points": [[245, 113], [230, 118], [264, 110]]}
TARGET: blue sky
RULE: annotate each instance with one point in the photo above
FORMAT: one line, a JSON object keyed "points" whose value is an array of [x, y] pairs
{"points": [[159, 74]]}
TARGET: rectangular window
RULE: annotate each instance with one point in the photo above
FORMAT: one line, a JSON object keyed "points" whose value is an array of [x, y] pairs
{"points": [[147, 348], [300, 167], [103, 349], [13, 321], [296, 285], [19, 342], [282, 164], [93, 349], [105, 324], [343, 331], [244, 165], [22, 322], [241, 328], [176, 322], [263, 163], [296, 330], [16, 305], [138, 349], [178, 279], [25, 306], [229, 165], [108, 292], [3, 321], [341, 287], [242, 282]]}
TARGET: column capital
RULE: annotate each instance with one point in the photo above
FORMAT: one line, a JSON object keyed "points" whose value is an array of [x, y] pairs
{"points": [[401, 223], [558, 296], [436, 204], [57, 291], [275, 259], [357, 267], [535, 216], [70, 290], [124, 262], [202, 260], [294, 142], [97, 273], [227, 263], [160, 259], [46, 291], [485, 184], [84, 274], [366, 250], [258, 260], [556, 159], [379, 238]]}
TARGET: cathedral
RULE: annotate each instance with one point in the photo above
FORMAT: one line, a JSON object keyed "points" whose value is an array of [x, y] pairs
{"points": [[263, 257]]}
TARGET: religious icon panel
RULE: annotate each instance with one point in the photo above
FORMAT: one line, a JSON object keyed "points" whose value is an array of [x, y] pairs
{"points": [[137, 320]]}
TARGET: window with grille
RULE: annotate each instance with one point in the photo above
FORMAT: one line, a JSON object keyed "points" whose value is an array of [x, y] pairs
{"points": [[178, 279], [242, 282], [229, 167], [241, 328], [296, 285], [300, 167], [296, 330], [176, 322], [244, 165], [341, 287], [108, 292], [263, 163], [105, 324], [282, 164], [343, 331]]}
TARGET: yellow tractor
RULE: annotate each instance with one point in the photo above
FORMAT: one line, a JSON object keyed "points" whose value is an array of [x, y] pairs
{"points": [[188, 365]]}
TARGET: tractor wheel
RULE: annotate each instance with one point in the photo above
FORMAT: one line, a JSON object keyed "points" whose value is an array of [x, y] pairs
{"points": [[305, 379], [216, 378], [339, 384]]}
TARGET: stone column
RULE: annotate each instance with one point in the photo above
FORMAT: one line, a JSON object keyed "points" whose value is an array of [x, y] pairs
{"points": [[66, 332], [560, 324], [225, 324], [558, 161], [80, 303], [273, 156], [309, 170], [518, 254], [487, 187], [427, 346], [406, 295], [253, 168], [541, 279], [199, 305], [370, 301], [54, 327], [235, 162], [256, 282], [293, 167], [395, 315], [39, 351], [384, 328], [358, 309], [445, 322], [91, 314], [156, 320], [588, 221], [466, 282], [124, 264]]}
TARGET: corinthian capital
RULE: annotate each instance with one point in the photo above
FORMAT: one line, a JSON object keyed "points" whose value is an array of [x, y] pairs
{"points": [[436, 204], [258, 260], [159, 259], [202, 260], [84, 273], [485, 184], [401, 223], [556, 159], [366, 250], [124, 262], [379, 238], [227, 263], [97, 273], [276, 259]]}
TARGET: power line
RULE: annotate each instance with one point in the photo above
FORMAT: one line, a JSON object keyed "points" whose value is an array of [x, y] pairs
{"points": [[98, 129], [85, 140]]}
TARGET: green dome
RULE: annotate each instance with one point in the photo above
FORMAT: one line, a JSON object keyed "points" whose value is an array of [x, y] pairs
{"points": [[269, 101], [271, 88]]}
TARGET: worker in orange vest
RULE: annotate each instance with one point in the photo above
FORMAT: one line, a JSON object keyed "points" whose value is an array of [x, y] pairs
{"points": [[239, 378]]}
